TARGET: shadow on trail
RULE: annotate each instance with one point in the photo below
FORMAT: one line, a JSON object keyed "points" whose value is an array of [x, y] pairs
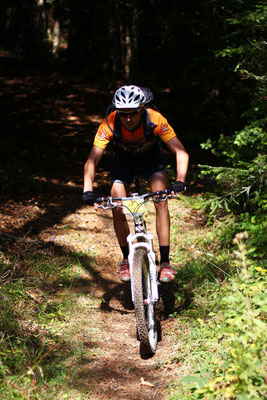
{"points": [[168, 300], [120, 292], [166, 307]]}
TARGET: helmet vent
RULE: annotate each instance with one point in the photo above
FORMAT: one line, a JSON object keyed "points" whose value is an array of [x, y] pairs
{"points": [[128, 97]]}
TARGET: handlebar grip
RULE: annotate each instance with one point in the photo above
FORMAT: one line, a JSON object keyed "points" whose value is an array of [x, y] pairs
{"points": [[101, 199], [105, 199]]}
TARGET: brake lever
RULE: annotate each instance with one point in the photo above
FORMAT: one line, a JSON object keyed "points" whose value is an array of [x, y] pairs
{"points": [[158, 199]]}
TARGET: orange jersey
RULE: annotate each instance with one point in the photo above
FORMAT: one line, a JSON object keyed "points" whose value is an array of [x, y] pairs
{"points": [[161, 129]]}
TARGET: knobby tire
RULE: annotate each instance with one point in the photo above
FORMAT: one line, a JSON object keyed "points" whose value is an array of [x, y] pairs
{"points": [[145, 314]]}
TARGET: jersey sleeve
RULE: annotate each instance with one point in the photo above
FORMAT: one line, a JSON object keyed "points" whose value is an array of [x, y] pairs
{"points": [[104, 134], [163, 128]]}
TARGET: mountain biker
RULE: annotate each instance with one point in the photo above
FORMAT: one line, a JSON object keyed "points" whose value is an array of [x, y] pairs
{"points": [[135, 129]]}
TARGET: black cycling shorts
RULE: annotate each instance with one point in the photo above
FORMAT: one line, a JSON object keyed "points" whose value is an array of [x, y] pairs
{"points": [[126, 165]]}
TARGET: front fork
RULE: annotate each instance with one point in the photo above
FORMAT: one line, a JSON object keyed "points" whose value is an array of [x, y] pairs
{"points": [[146, 241]]}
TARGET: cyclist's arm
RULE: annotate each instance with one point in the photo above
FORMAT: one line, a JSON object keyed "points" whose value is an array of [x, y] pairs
{"points": [[104, 133], [90, 167], [182, 157]]}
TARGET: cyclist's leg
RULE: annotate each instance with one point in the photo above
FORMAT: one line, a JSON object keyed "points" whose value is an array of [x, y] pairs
{"points": [[155, 172], [121, 176], [119, 221], [121, 228], [157, 179], [159, 182], [167, 273]]}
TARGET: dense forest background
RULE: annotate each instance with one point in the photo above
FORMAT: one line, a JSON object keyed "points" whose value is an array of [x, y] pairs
{"points": [[199, 57], [60, 63]]}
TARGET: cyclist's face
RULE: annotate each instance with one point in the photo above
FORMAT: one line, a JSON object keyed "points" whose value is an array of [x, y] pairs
{"points": [[130, 118]]}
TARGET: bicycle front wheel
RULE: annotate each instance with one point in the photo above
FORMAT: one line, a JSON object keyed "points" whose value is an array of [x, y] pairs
{"points": [[145, 309]]}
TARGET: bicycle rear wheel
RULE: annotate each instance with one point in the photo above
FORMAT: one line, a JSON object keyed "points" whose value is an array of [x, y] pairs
{"points": [[145, 310]]}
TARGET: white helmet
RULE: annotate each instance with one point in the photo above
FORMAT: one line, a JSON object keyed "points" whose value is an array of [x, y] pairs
{"points": [[128, 97]]}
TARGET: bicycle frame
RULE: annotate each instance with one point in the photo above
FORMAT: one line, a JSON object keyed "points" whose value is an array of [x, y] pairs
{"points": [[141, 238]]}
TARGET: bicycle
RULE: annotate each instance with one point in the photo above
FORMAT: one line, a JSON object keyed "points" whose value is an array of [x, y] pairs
{"points": [[142, 264]]}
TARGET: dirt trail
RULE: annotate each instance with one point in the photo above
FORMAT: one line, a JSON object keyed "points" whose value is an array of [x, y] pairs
{"points": [[104, 322], [49, 120], [117, 370]]}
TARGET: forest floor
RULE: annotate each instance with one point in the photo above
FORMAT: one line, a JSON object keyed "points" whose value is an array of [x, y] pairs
{"points": [[49, 122], [101, 319]]}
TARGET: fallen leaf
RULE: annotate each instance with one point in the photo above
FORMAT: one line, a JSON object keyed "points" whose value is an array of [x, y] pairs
{"points": [[145, 383], [33, 382]]}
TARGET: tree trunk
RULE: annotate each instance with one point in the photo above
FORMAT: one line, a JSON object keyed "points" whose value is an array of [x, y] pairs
{"points": [[128, 54], [56, 39]]}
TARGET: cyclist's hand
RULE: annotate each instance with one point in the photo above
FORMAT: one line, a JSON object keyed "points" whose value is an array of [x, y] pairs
{"points": [[89, 198], [178, 187]]}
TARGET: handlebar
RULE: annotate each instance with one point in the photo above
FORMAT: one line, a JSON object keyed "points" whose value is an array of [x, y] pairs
{"points": [[159, 193], [133, 203]]}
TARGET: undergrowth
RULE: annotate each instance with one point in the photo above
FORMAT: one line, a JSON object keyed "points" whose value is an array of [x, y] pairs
{"points": [[39, 299], [221, 331]]}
